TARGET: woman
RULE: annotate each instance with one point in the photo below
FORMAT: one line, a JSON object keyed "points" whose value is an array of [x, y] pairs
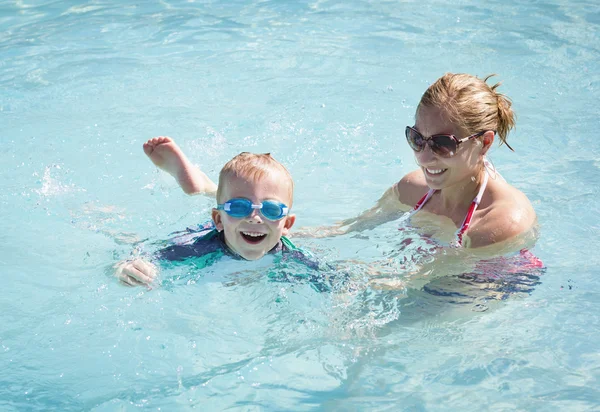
{"points": [[457, 197], [455, 191]]}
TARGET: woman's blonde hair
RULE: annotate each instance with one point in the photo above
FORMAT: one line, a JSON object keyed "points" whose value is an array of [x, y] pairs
{"points": [[254, 167], [472, 104]]}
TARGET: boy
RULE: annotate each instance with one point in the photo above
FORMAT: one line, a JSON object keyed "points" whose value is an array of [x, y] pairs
{"points": [[252, 217]]}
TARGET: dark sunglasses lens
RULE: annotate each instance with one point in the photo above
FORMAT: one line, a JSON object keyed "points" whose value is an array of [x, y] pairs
{"points": [[415, 140], [271, 210], [240, 208], [444, 146]]}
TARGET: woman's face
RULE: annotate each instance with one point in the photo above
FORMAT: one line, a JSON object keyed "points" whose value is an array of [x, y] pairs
{"points": [[441, 172]]}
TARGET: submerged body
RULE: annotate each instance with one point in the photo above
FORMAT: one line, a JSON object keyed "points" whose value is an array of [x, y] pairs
{"points": [[203, 245], [205, 241]]}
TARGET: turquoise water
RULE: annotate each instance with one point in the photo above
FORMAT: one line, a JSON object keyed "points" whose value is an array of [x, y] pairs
{"points": [[327, 87]]}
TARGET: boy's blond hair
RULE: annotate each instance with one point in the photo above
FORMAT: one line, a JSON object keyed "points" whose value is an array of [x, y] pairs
{"points": [[253, 166]]}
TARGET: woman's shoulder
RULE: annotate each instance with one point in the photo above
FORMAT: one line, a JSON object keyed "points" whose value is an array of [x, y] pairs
{"points": [[507, 213], [411, 188], [507, 198]]}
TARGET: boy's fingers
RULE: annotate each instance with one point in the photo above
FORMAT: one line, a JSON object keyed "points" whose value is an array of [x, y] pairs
{"points": [[146, 268], [136, 272], [129, 281], [138, 275], [123, 276]]}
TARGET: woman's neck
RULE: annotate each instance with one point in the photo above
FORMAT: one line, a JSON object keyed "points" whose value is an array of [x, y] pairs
{"points": [[458, 197]]}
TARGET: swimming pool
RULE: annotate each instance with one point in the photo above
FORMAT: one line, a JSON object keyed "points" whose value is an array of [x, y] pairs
{"points": [[327, 87]]}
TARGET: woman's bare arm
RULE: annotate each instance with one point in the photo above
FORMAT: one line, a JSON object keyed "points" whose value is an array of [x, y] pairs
{"points": [[387, 208]]}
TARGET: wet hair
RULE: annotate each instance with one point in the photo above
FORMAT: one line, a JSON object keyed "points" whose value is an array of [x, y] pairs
{"points": [[254, 167], [472, 104]]}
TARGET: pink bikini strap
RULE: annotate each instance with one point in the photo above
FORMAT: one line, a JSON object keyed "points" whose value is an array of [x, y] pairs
{"points": [[465, 225], [423, 200], [466, 222], [417, 207]]}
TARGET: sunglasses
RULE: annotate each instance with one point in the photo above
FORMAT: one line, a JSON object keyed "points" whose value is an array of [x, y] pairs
{"points": [[240, 207], [444, 145]]}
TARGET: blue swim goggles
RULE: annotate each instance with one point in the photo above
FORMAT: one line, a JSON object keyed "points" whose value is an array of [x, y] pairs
{"points": [[240, 207]]}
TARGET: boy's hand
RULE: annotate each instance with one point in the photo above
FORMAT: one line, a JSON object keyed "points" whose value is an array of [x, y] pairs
{"points": [[136, 272]]}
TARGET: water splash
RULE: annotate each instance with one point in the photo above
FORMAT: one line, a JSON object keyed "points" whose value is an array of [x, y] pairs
{"points": [[52, 185]]}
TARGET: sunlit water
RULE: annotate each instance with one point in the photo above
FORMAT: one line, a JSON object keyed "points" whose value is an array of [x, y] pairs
{"points": [[327, 87]]}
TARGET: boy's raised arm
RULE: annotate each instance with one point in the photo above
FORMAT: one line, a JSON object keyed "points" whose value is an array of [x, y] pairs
{"points": [[166, 154]]}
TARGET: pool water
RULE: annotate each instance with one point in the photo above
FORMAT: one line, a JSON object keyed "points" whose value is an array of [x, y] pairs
{"points": [[327, 87]]}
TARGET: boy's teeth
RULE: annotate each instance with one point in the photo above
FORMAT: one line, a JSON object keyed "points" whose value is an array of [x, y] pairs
{"points": [[253, 234]]}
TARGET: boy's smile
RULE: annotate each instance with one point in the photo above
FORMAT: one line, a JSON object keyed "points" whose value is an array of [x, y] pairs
{"points": [[253, 236]]}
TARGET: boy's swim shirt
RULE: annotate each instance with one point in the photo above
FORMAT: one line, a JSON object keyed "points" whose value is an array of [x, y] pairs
{"points": [[206, 240], [204, 245]]}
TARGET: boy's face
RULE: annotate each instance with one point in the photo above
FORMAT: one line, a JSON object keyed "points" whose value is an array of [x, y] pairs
{"points": [[254, 235]]}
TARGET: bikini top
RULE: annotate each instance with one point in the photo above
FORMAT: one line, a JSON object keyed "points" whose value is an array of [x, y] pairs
{"points": [[466, 222]]}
